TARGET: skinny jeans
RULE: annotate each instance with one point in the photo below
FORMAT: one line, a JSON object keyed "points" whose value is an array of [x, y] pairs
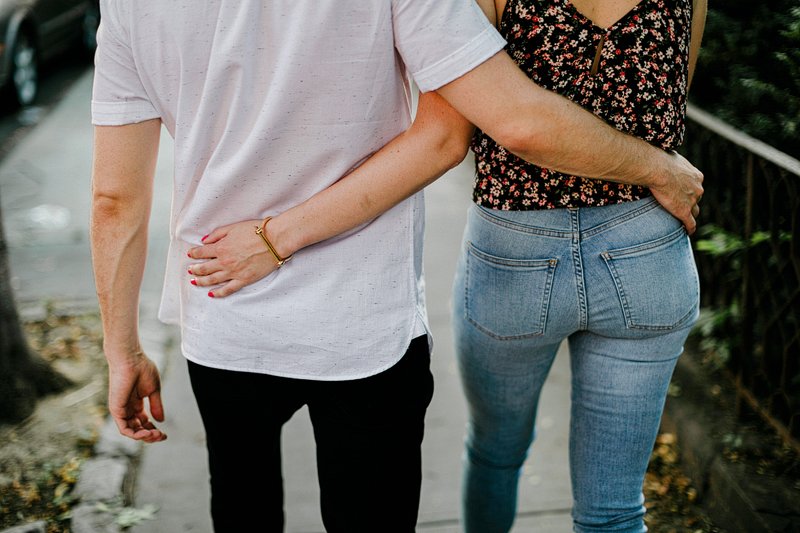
{"points": [[619, 283], [368, 434]]}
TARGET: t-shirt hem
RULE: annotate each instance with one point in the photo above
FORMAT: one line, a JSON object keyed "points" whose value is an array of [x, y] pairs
{"points": [[121, 113], [291, 375], [463, 60]]}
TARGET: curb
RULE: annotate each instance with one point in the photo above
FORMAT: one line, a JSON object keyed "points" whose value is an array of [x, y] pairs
{"points": [[103, 479], [34, 527], [736, 497]]}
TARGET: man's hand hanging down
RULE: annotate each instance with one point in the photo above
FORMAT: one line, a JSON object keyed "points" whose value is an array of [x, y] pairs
{"points": [[129, 383]]}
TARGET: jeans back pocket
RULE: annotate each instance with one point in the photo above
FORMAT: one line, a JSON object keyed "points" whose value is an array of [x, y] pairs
{"points": [[656, 282], [507, 298]]}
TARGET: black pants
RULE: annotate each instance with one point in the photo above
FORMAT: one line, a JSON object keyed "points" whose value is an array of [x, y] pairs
{"points": [[368, 434]]}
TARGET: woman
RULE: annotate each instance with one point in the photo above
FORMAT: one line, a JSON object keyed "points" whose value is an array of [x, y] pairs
{"points": [[550, 256]]}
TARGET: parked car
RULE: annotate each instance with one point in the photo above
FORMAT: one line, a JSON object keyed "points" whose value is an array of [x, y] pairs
{"points": [[33, 32]]}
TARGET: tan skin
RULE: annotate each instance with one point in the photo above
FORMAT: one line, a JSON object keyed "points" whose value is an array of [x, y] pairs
{"points": [[532, 122]]}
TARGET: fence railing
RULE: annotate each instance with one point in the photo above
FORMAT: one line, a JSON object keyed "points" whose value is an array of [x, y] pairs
{"points": [[748, 256]]}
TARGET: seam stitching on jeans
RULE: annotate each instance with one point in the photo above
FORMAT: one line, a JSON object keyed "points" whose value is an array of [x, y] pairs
{"points": [[522, 228], [605, 226]]}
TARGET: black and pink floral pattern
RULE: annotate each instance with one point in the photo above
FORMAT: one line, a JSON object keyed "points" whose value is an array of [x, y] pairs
{"points": [[638, 85]]}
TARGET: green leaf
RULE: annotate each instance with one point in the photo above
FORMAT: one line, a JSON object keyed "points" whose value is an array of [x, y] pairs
{"points": [[131, 516]]}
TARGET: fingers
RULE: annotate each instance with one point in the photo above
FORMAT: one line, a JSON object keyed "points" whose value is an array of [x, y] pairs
{"points": [[206, 251], [229, 259], [205, 268], [690, 224], [131, 386], [134, 428], [216, 278], [156, 407], [689, 219], [215, 235], [229, 288]]}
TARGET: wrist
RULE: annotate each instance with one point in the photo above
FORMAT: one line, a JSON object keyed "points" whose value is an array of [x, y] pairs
{"points": [[283, 236], [122, 352], [660, 173]]}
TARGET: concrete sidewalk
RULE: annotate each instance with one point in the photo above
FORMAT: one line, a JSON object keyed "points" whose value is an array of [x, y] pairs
{"points": [[45, 200]]}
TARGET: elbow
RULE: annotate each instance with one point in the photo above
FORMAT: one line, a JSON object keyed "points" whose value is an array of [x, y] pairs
{"points": [[110, 206], [525, 139], [449, 146], [107, 204], [115, 214], [453, 150]]}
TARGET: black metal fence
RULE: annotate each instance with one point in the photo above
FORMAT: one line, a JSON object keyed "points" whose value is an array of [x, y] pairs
{"points": [[748, 255]]}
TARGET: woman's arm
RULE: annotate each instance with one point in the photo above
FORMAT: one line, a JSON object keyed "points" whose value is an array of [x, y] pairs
{"points": [[699, 9], [234, 256]]}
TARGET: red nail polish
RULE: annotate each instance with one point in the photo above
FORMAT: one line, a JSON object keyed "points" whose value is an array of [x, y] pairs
{"points": [[210, 294], [204, 238], [193, 281], [190, 271], [188, 254]]}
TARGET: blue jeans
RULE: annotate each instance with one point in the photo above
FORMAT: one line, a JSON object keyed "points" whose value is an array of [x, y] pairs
{"points": [[620, 284]]}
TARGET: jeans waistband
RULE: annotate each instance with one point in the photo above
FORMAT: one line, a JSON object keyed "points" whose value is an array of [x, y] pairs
{"points": [[559, 223]]}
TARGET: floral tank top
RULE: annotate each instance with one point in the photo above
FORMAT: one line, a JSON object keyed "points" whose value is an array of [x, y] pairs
{"points": [[633, 75]]}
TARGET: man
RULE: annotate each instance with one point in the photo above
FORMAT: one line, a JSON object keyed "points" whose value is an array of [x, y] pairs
{"points": [[270, 103]]}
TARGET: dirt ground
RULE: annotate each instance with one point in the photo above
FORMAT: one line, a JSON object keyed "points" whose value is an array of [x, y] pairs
{"points": [[40, 458], [669, 494]]}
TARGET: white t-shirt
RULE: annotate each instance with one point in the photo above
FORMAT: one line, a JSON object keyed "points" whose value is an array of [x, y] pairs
{"points": [[270, 102]]}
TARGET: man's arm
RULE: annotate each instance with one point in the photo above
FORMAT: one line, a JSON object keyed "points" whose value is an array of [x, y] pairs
{"points": [[122, 189], [550, 131]]}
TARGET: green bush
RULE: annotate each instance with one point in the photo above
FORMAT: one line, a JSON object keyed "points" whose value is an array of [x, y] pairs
{"points": [[748, 72]]}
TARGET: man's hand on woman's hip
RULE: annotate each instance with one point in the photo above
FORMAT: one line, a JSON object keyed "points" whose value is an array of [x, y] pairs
{"points": [[680, 190]]}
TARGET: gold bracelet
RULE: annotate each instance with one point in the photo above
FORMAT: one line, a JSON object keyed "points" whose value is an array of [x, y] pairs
{"points": [[261, 231]]}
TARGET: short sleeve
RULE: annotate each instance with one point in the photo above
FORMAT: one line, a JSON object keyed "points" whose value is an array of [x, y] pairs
{"points": [[441, 40], [118, 95]]}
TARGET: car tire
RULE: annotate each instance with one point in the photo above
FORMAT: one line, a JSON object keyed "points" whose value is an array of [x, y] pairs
{"points": [[23, 82]]}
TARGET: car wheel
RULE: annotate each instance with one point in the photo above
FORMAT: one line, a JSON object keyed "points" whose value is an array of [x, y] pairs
{"points": [[24, 70]]}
